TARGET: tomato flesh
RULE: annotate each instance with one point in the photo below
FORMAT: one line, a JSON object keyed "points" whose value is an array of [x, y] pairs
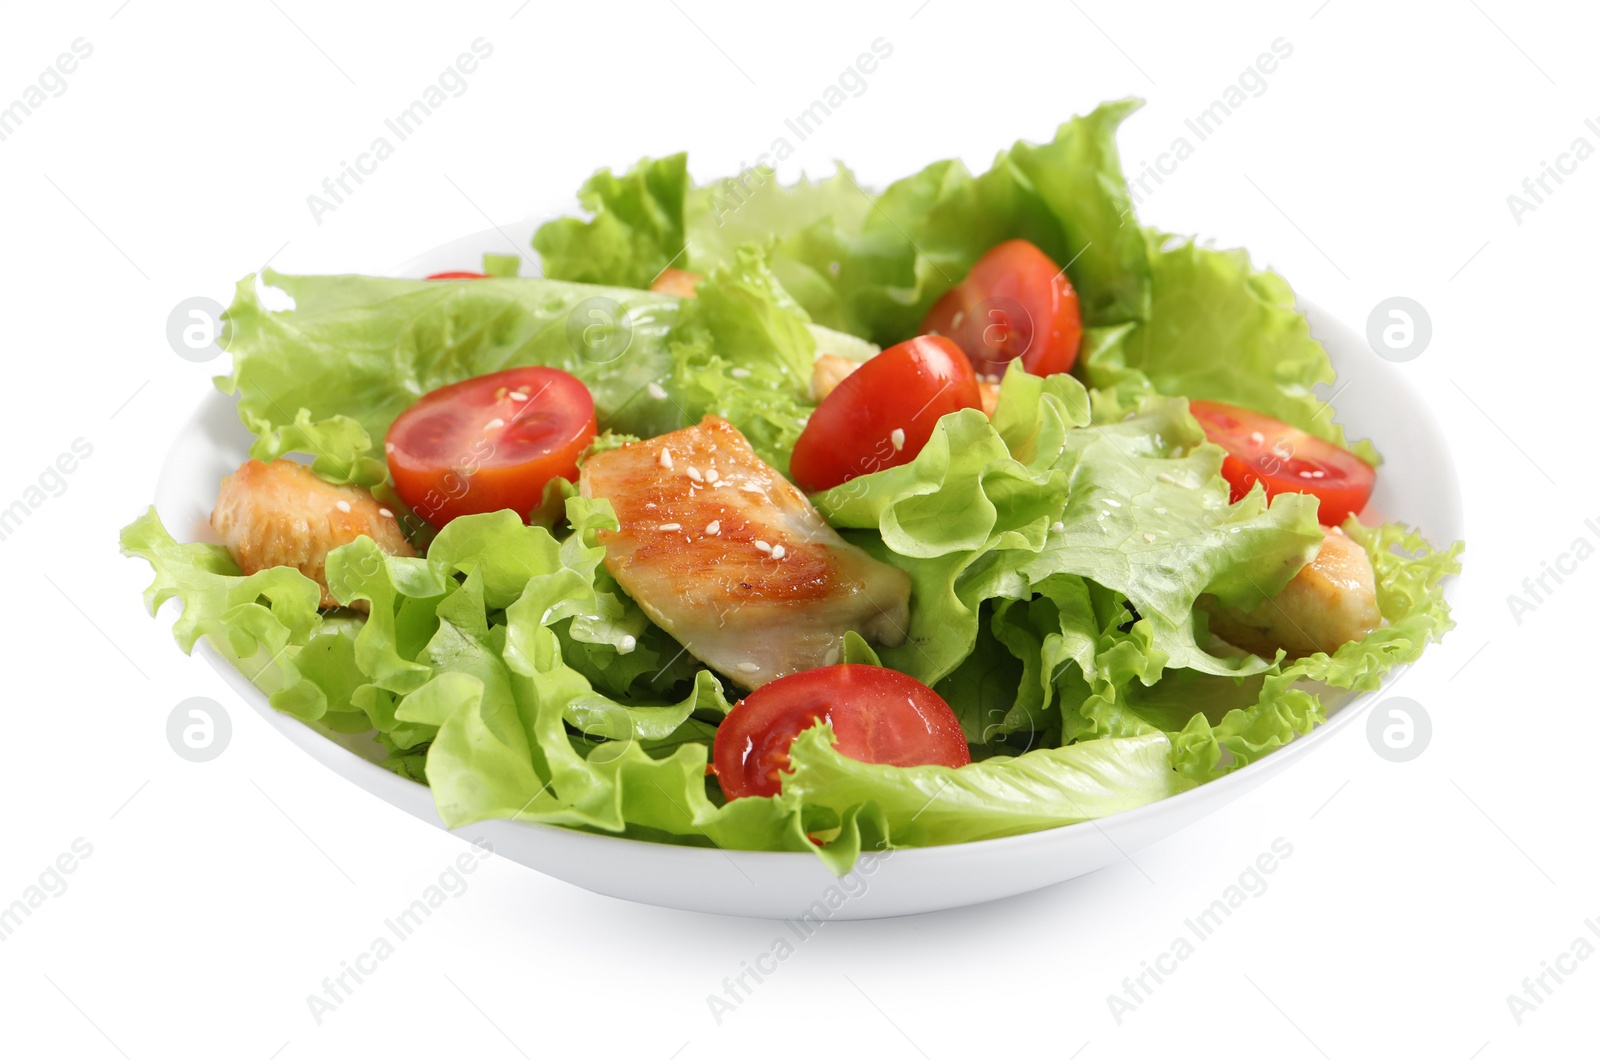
{"points": [[878, 715], [1285, 459], [882, 414], [459, 276], [1015, 303], [489, 443]]}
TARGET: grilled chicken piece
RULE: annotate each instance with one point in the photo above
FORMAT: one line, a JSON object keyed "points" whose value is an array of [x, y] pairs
{"points": [[1332, 601], [828, 371], [282, 515], [726, 555], [676, 282]]}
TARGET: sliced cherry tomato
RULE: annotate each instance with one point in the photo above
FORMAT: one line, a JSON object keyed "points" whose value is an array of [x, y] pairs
{"points": [[459, 276], [881, 414], [489, 443], [1015, 302], [1285, 459], [878, 715]]}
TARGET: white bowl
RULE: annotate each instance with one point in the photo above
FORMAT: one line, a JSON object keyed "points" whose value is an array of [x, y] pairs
{"points": [[1418, 486]]}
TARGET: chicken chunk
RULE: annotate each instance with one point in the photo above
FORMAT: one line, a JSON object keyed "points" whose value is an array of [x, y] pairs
{"points": [[676, 282], [731, 559], [281, 514], [1332, 601], [828, 371]]}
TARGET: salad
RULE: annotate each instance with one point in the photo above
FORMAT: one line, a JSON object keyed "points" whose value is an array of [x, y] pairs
{"points": [[799, 518]]}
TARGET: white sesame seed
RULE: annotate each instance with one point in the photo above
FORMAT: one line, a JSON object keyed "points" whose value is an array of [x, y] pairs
{"points": [[628, 643], [749, 668], [711, 474], [388, 447], [897, 438], [657, 392], [1113, 502], [763, 546], [665, 459], [1233, 530], [670, 526], [777, 551], [751, 487], [494, 424], [1058, 526], [1150, 538], [1168, 479], [386, 513], [740, 373], [714, 526], [1257, 437], [517, 395], [694, 473], [959, 319], [343, 506]]}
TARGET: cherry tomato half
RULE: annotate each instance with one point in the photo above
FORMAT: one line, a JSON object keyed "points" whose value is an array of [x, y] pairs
{"points": [[490, 442], [459, 276], [878, 715], [881, 414], [1285, 459], [1015, 302]]}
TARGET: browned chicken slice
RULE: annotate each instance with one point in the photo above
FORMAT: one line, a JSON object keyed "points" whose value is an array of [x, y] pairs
{"points": [[676, 282], [726, 555], [1332, 601], [282, 515]]}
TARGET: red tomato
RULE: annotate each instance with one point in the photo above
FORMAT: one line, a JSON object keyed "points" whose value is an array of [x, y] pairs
{"points": [[1015, 302], [878, 715], [489, 443], [459, 276], [881, 414], [1285, 459]]}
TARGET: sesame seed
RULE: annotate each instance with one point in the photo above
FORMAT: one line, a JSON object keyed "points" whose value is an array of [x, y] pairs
{"points": [[777, 551], [694, 473], [388, 447], [657, 392], [897, 438], [628, 643], [517, 395], [749, 668], [386, 513], [665, 459], [343, 506], [1113, 502], [494, 424], [1168, 479], [1058, 526], [1233, 530], [751, 487], [740, 373], [763, 546], [1257, 437], [1150, 538], [711, 474], [959, 319], [714, 526], [670, 526]]}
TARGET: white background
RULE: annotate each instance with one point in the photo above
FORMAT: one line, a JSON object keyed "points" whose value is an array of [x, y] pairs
{"points": [[1377, 162]]}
